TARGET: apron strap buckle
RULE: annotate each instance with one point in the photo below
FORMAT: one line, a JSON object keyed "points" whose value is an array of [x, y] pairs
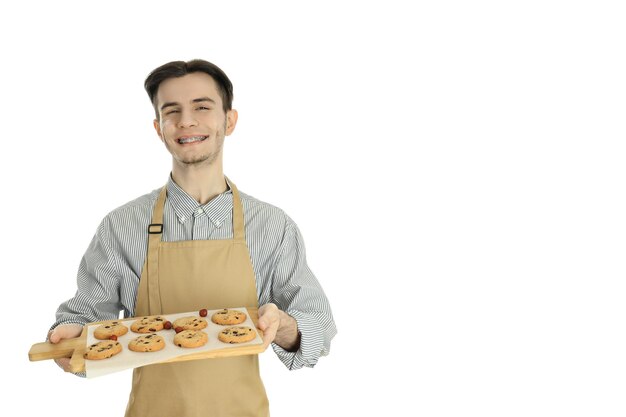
{"points": [[155, 225]]}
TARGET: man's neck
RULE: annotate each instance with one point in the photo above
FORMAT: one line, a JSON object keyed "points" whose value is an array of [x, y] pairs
{"points": [[203, 183]]}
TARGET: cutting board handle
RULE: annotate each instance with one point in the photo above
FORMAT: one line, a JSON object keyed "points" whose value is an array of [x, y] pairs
{"points": [[46, 350]]}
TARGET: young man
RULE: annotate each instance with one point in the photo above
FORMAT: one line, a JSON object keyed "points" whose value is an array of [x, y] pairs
{"points": [[200, 243]]}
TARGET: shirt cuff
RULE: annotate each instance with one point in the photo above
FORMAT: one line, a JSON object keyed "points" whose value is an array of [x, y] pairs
{"points": [[311, 344]]}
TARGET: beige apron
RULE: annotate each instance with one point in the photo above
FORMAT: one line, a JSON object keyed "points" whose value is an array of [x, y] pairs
{"points": [[188, 276]]}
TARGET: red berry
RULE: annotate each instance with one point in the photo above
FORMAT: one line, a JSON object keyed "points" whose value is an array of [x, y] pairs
{"points": [[179, 329], [112, 337], [167, 325], [203, 312]]}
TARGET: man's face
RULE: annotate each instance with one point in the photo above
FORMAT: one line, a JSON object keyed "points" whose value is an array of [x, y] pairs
{"points": [[192, 121]]}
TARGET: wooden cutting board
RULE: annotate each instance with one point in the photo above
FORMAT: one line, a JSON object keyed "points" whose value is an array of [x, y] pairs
{"points": [[76, 347]]}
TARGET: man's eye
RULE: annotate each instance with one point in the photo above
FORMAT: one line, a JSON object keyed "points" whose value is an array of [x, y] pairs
{"points": [[171, 111], [203, 108]]}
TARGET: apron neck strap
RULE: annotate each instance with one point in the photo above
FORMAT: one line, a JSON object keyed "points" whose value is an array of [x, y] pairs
{"points": [[238, 229], [157, 213], [156, 228]]}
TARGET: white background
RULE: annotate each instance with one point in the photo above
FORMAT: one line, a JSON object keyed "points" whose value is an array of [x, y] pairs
{"points": [[456, 168]]}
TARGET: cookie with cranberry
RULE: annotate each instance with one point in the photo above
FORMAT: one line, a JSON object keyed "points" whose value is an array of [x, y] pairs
{"points": [[191, 339], [106, 330], [237, 334], [190, 323], [148, 324], [103, 350], [147, 343], [228, 317]]}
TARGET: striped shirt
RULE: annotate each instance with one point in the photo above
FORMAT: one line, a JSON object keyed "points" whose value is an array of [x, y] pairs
{"points": [[108, 276]]}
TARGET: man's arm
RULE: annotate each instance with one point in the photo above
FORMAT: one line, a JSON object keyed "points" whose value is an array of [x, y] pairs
{"points": [[298, 317], [97, 295]]}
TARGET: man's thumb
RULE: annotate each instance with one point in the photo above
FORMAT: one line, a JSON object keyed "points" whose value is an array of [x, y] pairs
{"points": [[64, 332]]}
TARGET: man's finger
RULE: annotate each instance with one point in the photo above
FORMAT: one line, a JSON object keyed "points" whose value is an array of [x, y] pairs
{"points": [[268, 338], [63, 363], [65, 331], [54, 336], [269, 334], [265, 323]]}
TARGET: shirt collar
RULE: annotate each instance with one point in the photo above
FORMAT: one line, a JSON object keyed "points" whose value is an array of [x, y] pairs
{"points": [[186, 206]]}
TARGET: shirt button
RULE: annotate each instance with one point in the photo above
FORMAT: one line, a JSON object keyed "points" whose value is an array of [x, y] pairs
{"points": [[200, 211]]}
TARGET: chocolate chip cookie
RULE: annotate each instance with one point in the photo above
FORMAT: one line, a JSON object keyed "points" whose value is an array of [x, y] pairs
{"points": [[190, 339], [228, 317], [190, 323], [238, 334], [147, 343], [103, 350], [106, 330], [148, 324]]}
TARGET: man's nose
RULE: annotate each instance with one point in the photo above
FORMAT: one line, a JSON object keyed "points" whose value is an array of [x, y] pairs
{"points": [[187, 119]]}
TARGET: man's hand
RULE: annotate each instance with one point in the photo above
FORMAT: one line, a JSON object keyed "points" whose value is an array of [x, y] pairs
{"points": [[278, 327], [64, 331]]}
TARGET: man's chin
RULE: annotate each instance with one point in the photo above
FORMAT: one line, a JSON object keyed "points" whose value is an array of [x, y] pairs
{"points": [[194, 161], [198, 161]]}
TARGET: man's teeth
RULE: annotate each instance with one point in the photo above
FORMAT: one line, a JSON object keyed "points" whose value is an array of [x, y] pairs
{"points": [[191, 139]]}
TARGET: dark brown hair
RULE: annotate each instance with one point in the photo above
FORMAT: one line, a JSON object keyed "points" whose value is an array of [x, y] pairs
{"points": [[181, 68]]}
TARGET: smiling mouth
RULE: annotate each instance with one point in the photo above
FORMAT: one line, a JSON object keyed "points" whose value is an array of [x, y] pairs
{"points": [[191, 139]]}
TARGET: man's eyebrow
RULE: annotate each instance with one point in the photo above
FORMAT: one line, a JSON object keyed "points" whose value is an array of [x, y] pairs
{"points": [[195, 100], [201, 99], [169, 104]]}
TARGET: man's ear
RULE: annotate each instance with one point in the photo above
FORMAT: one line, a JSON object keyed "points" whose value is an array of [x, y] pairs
{"points": [[157, 127], [231, 121]]}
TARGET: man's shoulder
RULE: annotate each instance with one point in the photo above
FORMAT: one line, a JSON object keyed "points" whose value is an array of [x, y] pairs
{"points": [[253, 207], [138, 208]]}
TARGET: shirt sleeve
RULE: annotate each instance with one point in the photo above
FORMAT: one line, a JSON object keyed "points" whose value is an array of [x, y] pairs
{"points": [[97, 296], [296, 291]]}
